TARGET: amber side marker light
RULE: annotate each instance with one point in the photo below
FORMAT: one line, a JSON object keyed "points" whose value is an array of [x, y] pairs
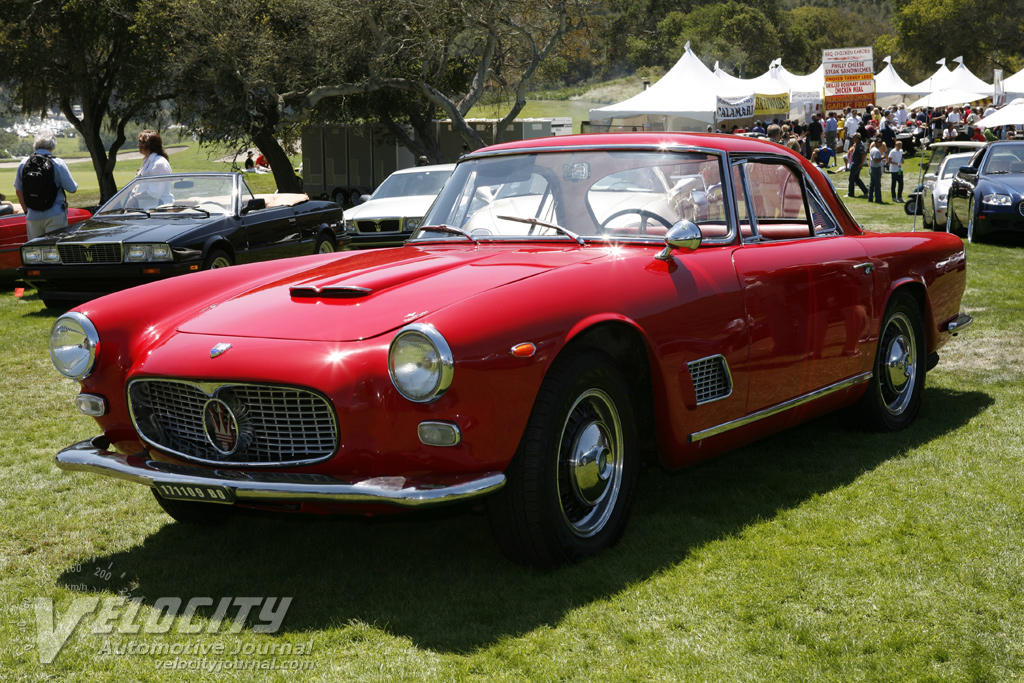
{"points": [[193, 267], [35, 273], [524, 350], [150, 271]]}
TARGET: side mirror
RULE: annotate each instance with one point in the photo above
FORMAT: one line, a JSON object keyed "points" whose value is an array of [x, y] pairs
{"points": [[682, 235], [254, 204], [363, 198], [968, 171], [930, 176]]}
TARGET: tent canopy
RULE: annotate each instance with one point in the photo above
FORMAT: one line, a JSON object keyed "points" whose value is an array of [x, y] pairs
{"points": [[948, 97], [890, 89], [1010, 115]]}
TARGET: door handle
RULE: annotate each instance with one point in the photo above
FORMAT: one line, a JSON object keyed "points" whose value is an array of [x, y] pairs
{"points": [[866, 267]]}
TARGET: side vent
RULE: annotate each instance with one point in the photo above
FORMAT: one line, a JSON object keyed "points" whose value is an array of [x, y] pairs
{"points": [[711, 379]]}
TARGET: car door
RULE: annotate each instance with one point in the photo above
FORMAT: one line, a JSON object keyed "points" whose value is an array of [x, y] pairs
{"points": [[806, 287], [273, 232]]}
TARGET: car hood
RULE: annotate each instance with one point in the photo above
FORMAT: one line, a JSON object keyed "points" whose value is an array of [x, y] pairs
{"points": [[411, 207], [365, 294], [1011, 183], [161, 229]]}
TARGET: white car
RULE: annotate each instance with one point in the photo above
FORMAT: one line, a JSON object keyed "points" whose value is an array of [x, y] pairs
{"points": [[390, 215], [936, 189]]}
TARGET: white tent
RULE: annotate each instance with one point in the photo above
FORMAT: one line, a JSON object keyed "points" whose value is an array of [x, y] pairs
{"points": [[1013, 86], [684, 99], [937, 81], [802, 90], [962, 78], [890, 89], [948, 97], [1010, 115]]}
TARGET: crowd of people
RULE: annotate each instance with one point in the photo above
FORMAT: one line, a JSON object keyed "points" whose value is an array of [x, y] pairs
{"points": [[849, 140]]}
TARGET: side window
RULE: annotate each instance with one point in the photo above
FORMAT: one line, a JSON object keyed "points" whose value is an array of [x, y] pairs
{"points": [[776, 198]]}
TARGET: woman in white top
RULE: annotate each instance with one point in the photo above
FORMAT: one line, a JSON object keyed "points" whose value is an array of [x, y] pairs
{"points": [[154, 162]]}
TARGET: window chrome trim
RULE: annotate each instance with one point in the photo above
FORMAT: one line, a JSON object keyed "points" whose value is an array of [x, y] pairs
{"points": [[779, 408]]}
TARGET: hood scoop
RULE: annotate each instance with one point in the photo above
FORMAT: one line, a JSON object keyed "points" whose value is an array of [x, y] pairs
{"points": [[329, 292]]}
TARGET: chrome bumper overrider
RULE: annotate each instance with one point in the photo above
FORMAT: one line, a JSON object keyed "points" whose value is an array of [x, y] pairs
{"points": [[960, 323], [275, 487]]}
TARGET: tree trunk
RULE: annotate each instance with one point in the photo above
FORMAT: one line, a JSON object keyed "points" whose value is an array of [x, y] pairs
{"points": [[102, 163], [280, 164]]}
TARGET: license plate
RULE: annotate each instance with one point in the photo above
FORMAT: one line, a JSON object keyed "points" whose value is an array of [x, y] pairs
{"points": [[206, 493]]}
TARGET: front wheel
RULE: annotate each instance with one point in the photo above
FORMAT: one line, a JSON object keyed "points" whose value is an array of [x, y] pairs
{"points": [[216, 259], [893, 397], [571, 483], [325, 244]]}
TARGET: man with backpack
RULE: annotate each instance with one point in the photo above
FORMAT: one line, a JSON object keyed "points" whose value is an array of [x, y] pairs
{"points": [[41, 182]]}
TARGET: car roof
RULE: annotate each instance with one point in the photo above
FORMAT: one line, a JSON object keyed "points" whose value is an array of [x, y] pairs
{"points": [[958, 155], [421, 169], [966, 144], [717, 141]]}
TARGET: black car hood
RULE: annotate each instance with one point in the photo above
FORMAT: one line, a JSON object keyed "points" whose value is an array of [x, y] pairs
{"points": [[155, 229]]}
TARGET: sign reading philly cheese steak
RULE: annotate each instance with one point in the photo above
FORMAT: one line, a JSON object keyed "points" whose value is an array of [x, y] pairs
{"points": [[849, 77]]}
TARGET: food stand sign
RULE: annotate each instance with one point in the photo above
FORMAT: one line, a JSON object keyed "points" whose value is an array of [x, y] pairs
{"points": [[849, 78]]}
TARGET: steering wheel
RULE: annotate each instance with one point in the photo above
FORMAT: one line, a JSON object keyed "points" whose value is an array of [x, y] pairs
{"points": [[644, 214]]}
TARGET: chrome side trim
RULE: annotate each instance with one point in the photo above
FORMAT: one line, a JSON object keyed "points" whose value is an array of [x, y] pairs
{"points": [[781, 407], [960, 323], [271, 487]]}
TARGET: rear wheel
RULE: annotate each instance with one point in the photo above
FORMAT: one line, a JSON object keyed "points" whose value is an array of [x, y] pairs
{"points": [[217, 258], [894, 393], [571, 484], [197, 514]]}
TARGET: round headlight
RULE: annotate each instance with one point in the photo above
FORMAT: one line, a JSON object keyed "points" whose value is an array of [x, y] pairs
{"points": [[420, 363], [73, 345]]}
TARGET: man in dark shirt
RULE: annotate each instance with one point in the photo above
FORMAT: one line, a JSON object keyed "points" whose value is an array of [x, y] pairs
{"points": [[813, 135], [856, 163]]}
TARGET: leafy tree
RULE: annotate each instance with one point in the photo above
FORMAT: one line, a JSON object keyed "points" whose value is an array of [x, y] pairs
{"points": [[97, 61], [986, 33], [448, 53], [741, 37], [809, 30]]}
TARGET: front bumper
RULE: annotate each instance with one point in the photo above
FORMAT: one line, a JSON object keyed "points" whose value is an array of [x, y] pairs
{"points": [[80, 282], [256, 488]]}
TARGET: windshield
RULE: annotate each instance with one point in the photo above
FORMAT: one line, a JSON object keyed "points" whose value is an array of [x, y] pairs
{"points": [[412, 184], [176, 194], [1005, 159], [594, 193], [953, 163]]}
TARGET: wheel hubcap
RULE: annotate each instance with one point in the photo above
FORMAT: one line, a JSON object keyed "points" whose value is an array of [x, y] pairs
{"points": [[899, 375], [590, 463]]}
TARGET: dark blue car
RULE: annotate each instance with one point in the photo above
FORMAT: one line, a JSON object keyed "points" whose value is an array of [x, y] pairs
{"points": [[987, 196]]}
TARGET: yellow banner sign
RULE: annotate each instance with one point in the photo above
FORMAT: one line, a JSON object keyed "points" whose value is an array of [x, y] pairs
{"points": [[768, 105]]}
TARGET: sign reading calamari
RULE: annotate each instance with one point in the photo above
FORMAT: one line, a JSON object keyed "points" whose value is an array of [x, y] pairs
{"points": [[849, 77], [728, 108]]}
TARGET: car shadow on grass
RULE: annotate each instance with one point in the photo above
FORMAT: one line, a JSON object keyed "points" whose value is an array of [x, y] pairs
{"points": [[439, 579]]}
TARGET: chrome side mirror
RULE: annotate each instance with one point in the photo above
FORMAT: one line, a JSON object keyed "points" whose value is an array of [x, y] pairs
{"points": [[682, 235]]}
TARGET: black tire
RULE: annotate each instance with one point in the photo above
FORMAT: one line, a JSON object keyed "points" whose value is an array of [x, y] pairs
{"points": [[217, 258], [196, 514], [572, 481], [326, 244], [893, 397], [910, 206]]}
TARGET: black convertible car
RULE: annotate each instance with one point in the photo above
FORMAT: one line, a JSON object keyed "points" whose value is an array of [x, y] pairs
{"points": [[987, 195], [161, 226]]}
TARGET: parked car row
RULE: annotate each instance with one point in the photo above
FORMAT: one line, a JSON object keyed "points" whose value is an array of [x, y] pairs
{"points": [[568, 308]]}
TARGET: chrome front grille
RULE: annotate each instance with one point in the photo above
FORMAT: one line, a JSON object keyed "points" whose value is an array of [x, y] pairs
{"points": [[380, 225], [711, 378], [90, 253], [236, 424]]}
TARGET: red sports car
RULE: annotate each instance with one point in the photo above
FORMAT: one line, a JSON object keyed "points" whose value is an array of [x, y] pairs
{"points": [[12, 236], [569, 306]]}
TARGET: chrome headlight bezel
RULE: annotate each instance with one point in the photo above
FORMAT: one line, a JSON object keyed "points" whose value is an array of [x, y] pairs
{"points": [[83, 361], [147, 253], [34, 256], [997, 199], [417, 348], [412, 223]]}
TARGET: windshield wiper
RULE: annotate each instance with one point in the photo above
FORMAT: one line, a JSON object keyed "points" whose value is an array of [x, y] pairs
{"points": [[534, 221], [142, 211], [181, 207], [450, 230]]}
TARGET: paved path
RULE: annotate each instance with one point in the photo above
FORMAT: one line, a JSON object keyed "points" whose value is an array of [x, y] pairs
{"points": [[121, 156]]}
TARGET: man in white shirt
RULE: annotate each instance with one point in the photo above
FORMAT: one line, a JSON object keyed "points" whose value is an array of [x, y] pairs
{"points": [[852, 124], [902, 115]]}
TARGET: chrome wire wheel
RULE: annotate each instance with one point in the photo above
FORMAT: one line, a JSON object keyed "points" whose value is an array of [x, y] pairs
{"points": [[590, 463], [899, 372]]}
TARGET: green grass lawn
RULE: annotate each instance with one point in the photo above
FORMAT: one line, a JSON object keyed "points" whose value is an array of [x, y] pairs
{"points": [[819, 554]]}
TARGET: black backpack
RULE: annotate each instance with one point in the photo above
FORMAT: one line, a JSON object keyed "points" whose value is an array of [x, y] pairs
{"points": [[39, 182]]}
